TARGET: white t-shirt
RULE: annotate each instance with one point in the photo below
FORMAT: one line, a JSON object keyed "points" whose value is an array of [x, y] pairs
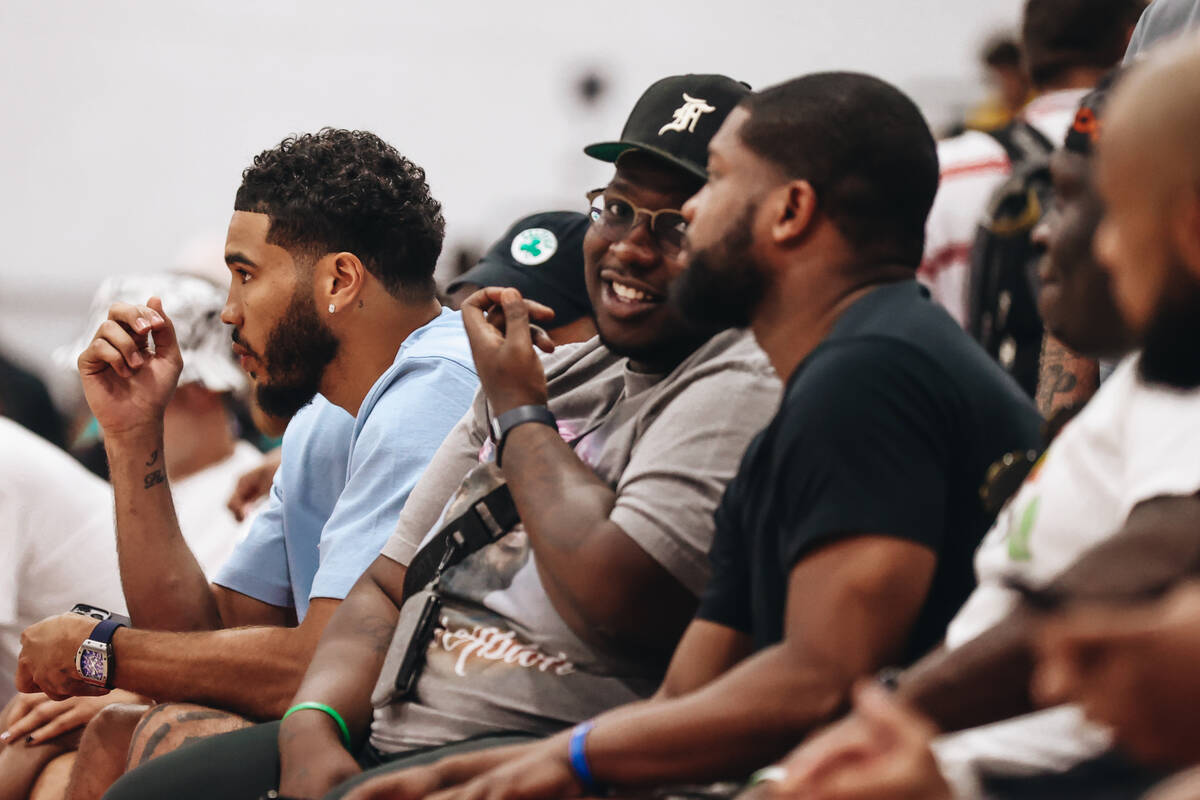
{"points": [[972, 165], [1133, 442], [57, 545], [208, 526], [56, 540]]}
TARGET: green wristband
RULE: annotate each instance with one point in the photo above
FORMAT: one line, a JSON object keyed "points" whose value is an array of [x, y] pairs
{"points": [[330, 710]]}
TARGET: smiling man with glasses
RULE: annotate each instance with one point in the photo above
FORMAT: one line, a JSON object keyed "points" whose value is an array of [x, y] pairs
{"points": [[615, 451]]}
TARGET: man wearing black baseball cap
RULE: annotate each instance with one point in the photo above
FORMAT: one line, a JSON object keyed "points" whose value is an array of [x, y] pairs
{"points": [[541, 256], [615, 451]]}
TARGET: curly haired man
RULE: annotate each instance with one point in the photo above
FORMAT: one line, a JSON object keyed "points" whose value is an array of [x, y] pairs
{"points": [[331, 252]]}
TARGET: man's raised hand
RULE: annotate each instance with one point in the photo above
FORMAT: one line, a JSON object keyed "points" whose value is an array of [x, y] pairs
{"points": [[498, 325], [126, 386]]}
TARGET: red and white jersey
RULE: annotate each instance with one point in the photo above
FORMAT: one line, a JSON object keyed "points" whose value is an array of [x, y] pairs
{"points": [[973, 164]]}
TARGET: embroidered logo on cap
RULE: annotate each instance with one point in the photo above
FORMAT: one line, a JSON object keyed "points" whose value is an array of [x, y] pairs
{"points": [[534, 246], [687, 115]]}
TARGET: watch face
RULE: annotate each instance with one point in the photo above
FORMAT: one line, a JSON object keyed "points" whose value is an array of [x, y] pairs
{"points": [[93, 664]]}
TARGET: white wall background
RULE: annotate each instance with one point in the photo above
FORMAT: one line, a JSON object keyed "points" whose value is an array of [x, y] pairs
{"points": [[126, 123]]}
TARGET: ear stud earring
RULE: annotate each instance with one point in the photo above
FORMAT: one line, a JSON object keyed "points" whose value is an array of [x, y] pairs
{"points": [[331, 308]]}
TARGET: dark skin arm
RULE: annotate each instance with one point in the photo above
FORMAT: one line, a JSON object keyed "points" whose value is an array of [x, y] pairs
{"points": [[342, 674], [988, 679], [578, 547], [1065, 378], [850, 606]]}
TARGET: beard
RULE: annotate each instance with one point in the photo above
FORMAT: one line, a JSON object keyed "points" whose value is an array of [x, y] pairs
{"points": [[723, 284], [1171, 344], [298, 350]]}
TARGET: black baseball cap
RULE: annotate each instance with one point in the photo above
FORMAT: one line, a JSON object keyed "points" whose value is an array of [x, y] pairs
{"points": [[675, 119], [541, 256]]}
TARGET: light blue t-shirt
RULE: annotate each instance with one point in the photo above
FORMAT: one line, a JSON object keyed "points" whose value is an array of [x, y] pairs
{"points": [[343, 480]]}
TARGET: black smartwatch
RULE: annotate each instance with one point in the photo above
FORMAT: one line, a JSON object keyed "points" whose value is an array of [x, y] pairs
{"points": [[94, 660], [503, 424]]}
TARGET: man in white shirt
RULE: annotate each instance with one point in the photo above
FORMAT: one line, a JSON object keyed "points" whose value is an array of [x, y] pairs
{"points": [[1069, 45]]}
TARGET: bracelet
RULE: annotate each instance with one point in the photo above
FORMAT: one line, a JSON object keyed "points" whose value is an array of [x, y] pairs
{"points": [[579, 762], [330, 710]]}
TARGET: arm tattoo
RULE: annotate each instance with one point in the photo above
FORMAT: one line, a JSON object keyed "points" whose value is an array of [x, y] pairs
{"points": [[153, 742], [153, 459], [1065, 378], [154, 478]]}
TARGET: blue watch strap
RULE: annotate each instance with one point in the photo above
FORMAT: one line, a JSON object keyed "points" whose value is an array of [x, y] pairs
{"points": [[577, 753], [103, 632]]}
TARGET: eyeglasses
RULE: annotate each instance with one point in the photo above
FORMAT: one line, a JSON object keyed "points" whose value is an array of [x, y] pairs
{"points": [[614, 218]]}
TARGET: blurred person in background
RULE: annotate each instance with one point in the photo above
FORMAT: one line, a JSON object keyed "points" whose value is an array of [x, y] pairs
{"points": [[1068, 45], [1068, 378], [25, 400], [56, 549], [541, 256], [1164, 19], [1008, 81]]}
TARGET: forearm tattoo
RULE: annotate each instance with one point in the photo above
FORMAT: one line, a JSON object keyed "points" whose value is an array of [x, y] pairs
{"points": [[157, 476]]}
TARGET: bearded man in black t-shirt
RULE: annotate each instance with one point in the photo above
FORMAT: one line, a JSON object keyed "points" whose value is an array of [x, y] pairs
{"points": [[844, 543]]}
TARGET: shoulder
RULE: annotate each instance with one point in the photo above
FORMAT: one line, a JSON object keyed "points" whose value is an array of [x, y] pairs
{"points": [[318, 430], [733, 352], [441, 343], [578, 355]]}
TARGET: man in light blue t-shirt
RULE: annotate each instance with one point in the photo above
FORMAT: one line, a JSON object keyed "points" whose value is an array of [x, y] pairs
{"points": [[331, 250]]}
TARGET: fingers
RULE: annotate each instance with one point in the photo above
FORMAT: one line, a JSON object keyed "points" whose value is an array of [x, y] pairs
{"points": [[164, 332], [112, 348], [889, 717], [848, 740], [72, 717], [541, 339], [121, 339], [489, 296], [516, 317], [243, 494], [35, 718]]}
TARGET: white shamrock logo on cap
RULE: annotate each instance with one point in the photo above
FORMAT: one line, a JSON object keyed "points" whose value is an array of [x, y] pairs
{"points": [[534, 246]]}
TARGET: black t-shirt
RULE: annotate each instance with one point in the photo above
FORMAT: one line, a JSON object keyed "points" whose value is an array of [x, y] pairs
{"points": [[888, 427]]}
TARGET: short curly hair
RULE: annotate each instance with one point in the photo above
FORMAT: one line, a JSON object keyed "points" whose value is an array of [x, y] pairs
{"points": [[339, 190]]}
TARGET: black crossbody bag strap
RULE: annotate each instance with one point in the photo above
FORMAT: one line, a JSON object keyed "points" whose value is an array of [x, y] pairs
{"points": [[487, 520]]}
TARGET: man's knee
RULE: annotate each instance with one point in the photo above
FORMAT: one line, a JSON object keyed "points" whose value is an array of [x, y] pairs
{"points": [[168, 726], [113, 727]]}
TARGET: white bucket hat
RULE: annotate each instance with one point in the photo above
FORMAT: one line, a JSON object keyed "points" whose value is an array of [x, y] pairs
{"points": [[194, 306]]}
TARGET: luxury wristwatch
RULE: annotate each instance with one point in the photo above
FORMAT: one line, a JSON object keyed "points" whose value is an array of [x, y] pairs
{"points": [[94, 660]]}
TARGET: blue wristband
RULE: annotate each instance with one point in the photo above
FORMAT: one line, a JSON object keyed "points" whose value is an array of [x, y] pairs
{"points": [[579, 762]]}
